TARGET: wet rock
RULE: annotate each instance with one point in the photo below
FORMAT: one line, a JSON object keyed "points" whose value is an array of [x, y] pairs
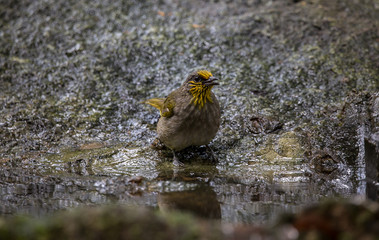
{"points": [[264, 124], [325, 162], [371, 152], [65, 83]]}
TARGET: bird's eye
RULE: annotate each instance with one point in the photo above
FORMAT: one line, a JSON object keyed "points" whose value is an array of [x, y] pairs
{"points": [[197, 79]]}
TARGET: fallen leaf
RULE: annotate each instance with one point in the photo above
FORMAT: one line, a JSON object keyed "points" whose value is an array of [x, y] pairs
{"points": [[161, 13], [91, 146], [19, 60], [198, 26]]}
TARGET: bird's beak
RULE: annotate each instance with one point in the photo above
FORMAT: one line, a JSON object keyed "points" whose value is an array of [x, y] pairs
{"points": [[211, 81]]}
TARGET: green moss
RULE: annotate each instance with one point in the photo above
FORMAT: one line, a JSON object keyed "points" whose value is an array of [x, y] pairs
{"points": [[70, 155], [287, 145]]}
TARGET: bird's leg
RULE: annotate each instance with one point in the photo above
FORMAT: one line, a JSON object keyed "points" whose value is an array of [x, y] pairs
{"points": [[213, 157], [176, 161]]}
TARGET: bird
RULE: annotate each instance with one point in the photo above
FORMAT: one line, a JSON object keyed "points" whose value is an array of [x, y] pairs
{"points": [[189, 115]]}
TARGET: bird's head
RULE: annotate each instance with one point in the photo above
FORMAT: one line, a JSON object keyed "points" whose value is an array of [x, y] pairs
{"points": [[200, 84]]}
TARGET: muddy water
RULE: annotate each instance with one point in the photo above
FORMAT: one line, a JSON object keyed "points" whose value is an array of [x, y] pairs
{"points": [[252, 192]]}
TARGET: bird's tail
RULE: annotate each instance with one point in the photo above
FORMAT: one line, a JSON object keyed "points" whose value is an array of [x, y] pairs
{"points": [[156, 102]]}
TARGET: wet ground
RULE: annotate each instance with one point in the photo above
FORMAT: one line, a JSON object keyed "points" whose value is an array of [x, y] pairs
{"points": [[299, 95]]}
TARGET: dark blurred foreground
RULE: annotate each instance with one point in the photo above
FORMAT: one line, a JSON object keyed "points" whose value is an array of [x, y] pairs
{"points": [[329, 220]]}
